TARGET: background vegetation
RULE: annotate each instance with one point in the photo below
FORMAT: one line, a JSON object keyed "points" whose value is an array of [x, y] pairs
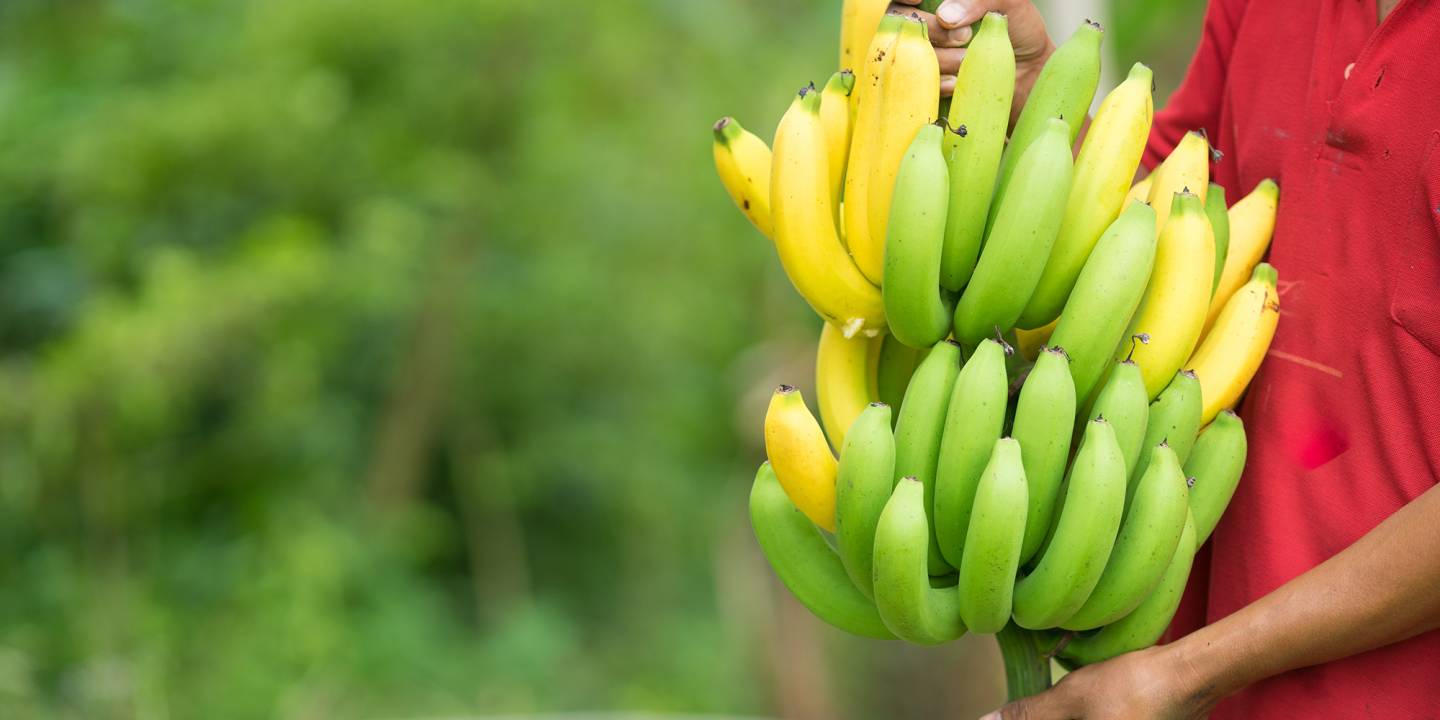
{"points": [[396, 359]]}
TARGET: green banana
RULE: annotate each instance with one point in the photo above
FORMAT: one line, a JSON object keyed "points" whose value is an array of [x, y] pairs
{"points": [[1147, 542], [1122, 401], [1019, 240], [1143, 626], [1215, 210], [1044, 421], [1103, 172], [974, 421], [918, 430], [1080, 544], [862, 486], [1216, 462], [1174, 419], [805, 563], [992, 543], [893, 369], [1064, 89], [984, 87], [911, 608], [1105, 296], [914, 308]]}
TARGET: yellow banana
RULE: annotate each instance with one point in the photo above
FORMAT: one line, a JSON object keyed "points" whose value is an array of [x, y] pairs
{"points": [[743, 162], [1188, 167], [858, 19], [1252, 222], [797, 450], [844, 379], [910, 100], [1231, 353], [868, 99], [1140, 190], [1103, 171], [1172, 311], [805, 237], [835, 116], [1029, 342]]}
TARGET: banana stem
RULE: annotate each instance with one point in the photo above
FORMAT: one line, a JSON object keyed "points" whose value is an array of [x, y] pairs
{"points": [[1027, 669]]}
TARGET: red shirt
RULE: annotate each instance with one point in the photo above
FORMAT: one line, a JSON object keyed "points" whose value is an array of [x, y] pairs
{"points": [[1344, 416]]}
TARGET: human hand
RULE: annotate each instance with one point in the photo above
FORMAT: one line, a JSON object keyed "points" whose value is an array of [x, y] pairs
{"points": [[950, 31], [1150, 684]]}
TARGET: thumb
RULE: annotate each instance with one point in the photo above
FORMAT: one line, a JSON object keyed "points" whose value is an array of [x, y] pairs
{"points": [[957, 13], [1053, 704]]}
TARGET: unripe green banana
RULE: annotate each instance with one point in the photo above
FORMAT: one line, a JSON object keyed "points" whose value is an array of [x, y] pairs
{"points": [[992, 543], [1103, 172], [1019, 240], [914, 308], [1216, 211], [974, 421], [1174, 420], [1064, 89], [910, 607], [919, 428], [1122, 401], [1147, 542], [1044, 422], [893, 369], [979, 114], [862, 487], [1216, 462], [1143, 626], [1089, 519], [805, 563], [1105, 296]]}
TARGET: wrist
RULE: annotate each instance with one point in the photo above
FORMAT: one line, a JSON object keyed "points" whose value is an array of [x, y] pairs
{"points": [[1206, 666]]}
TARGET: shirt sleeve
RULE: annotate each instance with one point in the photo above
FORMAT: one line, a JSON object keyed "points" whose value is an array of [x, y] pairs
{"points": [[1196, 104]]}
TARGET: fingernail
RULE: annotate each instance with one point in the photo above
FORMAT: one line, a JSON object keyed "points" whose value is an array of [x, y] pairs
{"points": [[952, 14], [992, 716], [962, 35]]}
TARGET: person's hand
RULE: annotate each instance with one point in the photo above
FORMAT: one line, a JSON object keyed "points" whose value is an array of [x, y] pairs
{"points": [[1150, 684], [950, 31]]}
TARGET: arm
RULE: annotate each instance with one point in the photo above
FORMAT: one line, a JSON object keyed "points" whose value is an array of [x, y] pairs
{"points": [[1378, 591]]}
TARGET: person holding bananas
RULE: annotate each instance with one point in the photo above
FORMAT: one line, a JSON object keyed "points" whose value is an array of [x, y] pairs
{"points": [[1317, 596]]}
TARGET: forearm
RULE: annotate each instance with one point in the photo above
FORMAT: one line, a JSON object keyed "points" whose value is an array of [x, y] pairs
{"points": [[1380, 590]]}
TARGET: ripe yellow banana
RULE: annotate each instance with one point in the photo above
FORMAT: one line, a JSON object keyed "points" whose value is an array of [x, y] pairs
{"points": [[1029, 342], [858, 20], [835, 116], [844, 379], [805, 237], [868, 101], [1103, 171], [1187, 167], [801, 458], [910, 100], [1252, 222], [1140, 190], [743, 162], [1172, 311], [1236, 345]]}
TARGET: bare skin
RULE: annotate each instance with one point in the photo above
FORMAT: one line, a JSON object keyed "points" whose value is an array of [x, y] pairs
{"points": [[1378, 591]]}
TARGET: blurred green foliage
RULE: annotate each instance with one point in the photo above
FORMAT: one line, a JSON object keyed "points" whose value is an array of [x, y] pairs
{"points": [[390, 359]]}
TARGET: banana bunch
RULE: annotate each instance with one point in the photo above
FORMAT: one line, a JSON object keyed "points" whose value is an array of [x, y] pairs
{"points": [[950, 484]]}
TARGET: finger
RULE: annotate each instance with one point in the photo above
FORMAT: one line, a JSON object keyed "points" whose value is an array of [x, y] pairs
{"points": [[910, 3], [947, 85], [957, 13], [1053, 704], [940, 37], [949, 59]]}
